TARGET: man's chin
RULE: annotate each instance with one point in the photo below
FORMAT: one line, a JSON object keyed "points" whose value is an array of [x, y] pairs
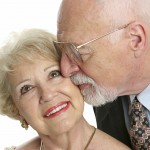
{"points": [[97, 99], [97, 103]]}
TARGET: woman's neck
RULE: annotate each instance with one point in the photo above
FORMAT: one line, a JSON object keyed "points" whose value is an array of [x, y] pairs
{"points": [[76, 138]]}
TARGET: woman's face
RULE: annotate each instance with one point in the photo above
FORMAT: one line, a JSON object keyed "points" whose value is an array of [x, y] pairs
{"points": [[50, 103]]}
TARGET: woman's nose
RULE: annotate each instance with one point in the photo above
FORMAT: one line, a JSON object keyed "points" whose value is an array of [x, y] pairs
{"points": [[47, 94]]}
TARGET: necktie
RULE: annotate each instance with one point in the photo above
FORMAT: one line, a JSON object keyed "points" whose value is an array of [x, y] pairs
{"points": [[140, 127]]}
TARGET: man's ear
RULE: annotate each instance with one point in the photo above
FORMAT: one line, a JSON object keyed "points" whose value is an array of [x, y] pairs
{"points": [[137, 38]]}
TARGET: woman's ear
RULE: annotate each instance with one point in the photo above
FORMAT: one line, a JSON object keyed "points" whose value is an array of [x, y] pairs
{"points": [[23, 122], [138, 38]]}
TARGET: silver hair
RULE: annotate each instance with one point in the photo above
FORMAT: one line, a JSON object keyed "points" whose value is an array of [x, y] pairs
{"points": [[23, 46], [95, 95]]}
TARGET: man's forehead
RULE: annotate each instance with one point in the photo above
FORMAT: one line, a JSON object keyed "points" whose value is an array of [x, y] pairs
{"points": [[76, 20], [78, 31], [78, 4], [72, 11], [75, 15], [72, 36], [72, 26]]}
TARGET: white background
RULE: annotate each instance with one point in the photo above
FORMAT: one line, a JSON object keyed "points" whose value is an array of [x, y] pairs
{"points": [[16, 15]]}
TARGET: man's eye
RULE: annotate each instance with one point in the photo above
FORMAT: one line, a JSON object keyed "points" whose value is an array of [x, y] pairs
{"points": [[85, 50], [85, 53], [54, 74], [25, 89]]}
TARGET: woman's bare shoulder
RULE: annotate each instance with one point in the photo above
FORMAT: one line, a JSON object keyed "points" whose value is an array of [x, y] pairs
{"points": [[106, 141], [32, 144]]}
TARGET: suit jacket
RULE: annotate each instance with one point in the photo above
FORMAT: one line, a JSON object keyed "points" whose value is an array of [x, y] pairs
{"points": [[110, 119]]}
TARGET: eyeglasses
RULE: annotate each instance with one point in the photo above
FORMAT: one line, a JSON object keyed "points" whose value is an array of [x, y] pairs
{"points": [[73, 51]]}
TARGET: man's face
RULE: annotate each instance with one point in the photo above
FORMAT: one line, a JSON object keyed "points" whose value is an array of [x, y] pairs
{"points": [[109, 65]]}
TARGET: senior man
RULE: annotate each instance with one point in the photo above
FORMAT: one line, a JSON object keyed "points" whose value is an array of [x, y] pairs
{"points": [[105, 48]]}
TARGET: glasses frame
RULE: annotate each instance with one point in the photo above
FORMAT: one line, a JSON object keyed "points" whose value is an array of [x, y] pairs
{"points": [[76, 48]]}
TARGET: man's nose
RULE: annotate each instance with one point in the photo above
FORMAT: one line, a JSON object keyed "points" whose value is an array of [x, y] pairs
{"points": [[47, 93], [68, 67]]}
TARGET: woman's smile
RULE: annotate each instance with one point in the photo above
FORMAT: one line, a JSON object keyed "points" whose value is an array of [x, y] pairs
{"points": [[57, 109]]}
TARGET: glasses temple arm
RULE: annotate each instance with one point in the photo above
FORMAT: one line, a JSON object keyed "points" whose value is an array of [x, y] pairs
{"points": [[122, 27]]}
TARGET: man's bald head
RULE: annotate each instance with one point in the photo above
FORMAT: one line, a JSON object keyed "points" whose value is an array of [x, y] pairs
{"points": [[114, 12]]}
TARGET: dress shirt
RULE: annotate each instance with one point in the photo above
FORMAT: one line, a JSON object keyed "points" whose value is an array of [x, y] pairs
{"points": [[144, 99]]}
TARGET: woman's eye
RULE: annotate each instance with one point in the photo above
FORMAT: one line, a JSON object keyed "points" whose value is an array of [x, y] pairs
{"points": [[54, 74], [25, 89]]}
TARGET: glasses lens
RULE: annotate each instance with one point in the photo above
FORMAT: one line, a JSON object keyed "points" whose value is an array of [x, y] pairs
{"points": [[70, 50], [74, 52]]}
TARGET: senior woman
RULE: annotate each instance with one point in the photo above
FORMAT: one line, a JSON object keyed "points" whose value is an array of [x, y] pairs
{"points": [[33, 91]]}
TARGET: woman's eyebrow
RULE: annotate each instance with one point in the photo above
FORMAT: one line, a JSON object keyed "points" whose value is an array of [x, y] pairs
{"points": [[25, 80], [49, 67]]}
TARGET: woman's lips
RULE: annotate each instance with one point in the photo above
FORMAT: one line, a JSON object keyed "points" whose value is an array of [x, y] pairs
{"points": [[57, 110]]}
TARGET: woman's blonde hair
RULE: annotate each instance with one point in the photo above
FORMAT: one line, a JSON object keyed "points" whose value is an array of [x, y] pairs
{"points": [[23, 46]]}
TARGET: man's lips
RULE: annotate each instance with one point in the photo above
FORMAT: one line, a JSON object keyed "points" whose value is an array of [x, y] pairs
{"points": [[84, 86], [57, 109]]}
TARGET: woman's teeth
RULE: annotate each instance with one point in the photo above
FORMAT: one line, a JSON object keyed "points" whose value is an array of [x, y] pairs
{"points": [[57, 109]]}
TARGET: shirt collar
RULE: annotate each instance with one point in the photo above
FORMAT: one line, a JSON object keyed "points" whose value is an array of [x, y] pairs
{"points": [[144, 97]]}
